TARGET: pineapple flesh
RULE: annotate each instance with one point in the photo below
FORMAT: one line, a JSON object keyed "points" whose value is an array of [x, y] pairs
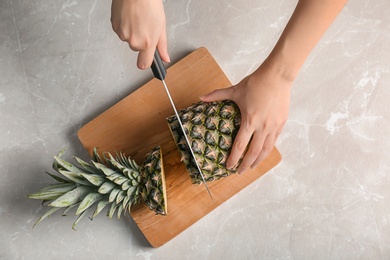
{"points": [[154, 182], [116, 182], [211, 129]]}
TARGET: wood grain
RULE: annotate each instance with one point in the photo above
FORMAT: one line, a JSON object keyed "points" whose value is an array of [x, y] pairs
{"points": [[137, 123]]}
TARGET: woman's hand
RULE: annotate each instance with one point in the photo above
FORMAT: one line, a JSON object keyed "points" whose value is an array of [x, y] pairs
{"points": [[141, 23], [263, 98]]}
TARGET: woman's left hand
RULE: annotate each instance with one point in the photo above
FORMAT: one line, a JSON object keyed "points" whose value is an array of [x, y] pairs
{"points": [[263, 98]]}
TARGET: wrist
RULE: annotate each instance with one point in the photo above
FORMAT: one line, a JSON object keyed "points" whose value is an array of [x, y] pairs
{"points": [[282, 65]]}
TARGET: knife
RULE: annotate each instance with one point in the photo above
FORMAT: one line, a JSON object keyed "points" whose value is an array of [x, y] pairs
{"points": [[160, 73]]}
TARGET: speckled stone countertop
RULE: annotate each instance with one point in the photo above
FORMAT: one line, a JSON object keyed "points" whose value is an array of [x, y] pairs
{"points": [[61, 65]]}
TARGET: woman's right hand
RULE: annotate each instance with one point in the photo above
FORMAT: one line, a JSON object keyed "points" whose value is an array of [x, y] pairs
{"points": [[141, 23]]}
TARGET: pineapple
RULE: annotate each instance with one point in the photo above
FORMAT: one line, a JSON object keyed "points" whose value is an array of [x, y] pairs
{"points": [[211, 129], [119, 184]]}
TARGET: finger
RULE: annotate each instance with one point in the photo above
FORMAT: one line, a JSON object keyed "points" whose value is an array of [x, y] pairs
{"points": [[269, 144], [218, 94], [115, 22], [240, 143], [253, 152], [162, 46], [145, 58], [278, 133], [122, 34], [265, 150]]}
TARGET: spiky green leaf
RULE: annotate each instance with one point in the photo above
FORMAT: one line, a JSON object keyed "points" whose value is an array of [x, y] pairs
{"points": [[115, 164], [78, 220], [44, 196], [113, 194], [122, 160], [95, 156], [75, 177], [67, 165], [95, 179], [131, 190], [121, 195], [138, 191], [87, 167], [107, 171], [101, 205], [135, 175], [126, 185], [106, 187], [120, 180], [52, 192], [57, 178], [133, 164], [112, 209], [88, 201], [59, 187], [120, 209], [55, 165], [114, 176], [130, 165], [125, 201], [69, 208], [130, 173], [72, 197], [48, 213]]}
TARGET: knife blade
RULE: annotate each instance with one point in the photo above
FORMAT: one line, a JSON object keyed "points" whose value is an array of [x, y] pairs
{"points": [[160, 73]]}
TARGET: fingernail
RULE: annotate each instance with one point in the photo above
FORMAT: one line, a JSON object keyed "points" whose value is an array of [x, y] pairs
{"points": [[229, 166]]}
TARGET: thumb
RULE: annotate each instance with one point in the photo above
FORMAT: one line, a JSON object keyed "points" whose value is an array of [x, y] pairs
{"points": [[145, 58], [217, 95]]}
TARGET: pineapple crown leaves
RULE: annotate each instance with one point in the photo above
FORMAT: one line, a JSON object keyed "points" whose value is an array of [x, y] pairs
{"points": [[117, 182]]}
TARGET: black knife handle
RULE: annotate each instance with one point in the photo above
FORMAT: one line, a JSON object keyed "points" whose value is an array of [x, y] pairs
{"points": [[157, 67]]}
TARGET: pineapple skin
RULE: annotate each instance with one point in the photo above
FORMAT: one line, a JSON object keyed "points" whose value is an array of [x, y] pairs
{"points": [[115, 182], [153, 176], [211, 129]]}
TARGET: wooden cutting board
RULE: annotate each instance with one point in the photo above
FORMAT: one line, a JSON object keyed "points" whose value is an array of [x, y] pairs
{"points": [[137, 124]]}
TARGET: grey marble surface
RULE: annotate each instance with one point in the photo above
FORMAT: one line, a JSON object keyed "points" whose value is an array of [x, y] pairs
{"points": [[61, 65]]}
